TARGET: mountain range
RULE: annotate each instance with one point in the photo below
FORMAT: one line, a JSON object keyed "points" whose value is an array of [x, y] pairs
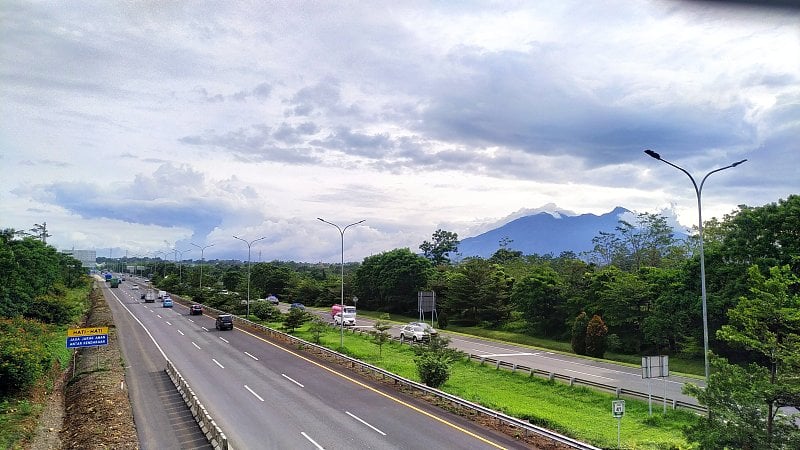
{"points": [[550, 232]]}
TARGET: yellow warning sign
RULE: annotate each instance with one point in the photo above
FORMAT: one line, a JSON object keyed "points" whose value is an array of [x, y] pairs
{"points": [[93, 331]]}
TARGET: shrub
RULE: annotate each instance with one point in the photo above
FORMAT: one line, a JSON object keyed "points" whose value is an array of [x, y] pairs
{"points": [[596, 332], [432, 369], [265, 311], [22, 355]]}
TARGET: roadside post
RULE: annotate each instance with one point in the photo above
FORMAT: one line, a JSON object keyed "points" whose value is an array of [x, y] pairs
{"points": [[617, 411], [655, 367]]}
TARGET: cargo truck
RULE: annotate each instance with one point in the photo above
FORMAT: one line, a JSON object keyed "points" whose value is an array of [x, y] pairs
{"points": [[114, 282], [150, 296]]}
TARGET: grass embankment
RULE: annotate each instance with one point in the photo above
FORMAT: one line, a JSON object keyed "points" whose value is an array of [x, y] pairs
{"points": [[574, 411], [693, 367], [19, 412]]}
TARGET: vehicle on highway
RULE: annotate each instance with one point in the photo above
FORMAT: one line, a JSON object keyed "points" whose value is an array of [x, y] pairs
{"points": [[162, 294], [135, 287], [149, 296], [114, 282], [299, 306], [142, 296], [427, 327], [348, 317], [196, 310], [167, 303], [414, 332], [224, 322]]}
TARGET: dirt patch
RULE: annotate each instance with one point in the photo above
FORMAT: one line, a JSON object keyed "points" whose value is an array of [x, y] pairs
{"points": [[51, 418], [92, 411]]}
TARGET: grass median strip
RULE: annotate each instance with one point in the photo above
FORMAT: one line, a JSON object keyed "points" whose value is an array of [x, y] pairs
{"points": [[578, 412]]}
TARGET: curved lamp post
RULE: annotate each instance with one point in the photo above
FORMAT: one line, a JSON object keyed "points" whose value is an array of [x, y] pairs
{"points": [[202, 250], [249, 244], [699, 191], [341, 232]]}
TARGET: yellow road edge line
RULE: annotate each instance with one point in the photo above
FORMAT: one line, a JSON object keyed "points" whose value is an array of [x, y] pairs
{"points": [[365, 386]]}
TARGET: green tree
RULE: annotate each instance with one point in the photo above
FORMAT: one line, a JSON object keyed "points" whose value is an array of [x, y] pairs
{"points": [[317, 327], [478, 291], [539, 297], [596, 332], [295, 318], [578, 340], [767, 323], [232, 278], [265, 311], [391, 280], [380, 332], [438, 251]]}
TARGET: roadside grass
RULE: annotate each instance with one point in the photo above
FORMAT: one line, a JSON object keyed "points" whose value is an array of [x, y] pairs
{"points": [[578, 412], [17, 421], [693, 367]]}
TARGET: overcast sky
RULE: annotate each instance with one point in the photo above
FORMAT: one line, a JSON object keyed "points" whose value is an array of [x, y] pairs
{"points": [[147, 126]]}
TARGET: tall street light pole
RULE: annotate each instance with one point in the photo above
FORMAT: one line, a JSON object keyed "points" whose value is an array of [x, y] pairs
{"points": [[699, 192], [202, 249], [180, 264], [156, 264], [341, 233], [249, 244]]}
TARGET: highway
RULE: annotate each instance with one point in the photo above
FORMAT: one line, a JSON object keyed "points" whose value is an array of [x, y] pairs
{"points": [[598, 371], [265, 396]]}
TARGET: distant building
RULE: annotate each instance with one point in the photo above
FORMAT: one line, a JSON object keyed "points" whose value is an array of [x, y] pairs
{"points": [[88, 258]]}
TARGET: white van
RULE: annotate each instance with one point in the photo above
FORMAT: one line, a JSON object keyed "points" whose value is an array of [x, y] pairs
{"points": [[162, 294], [349, 316]]}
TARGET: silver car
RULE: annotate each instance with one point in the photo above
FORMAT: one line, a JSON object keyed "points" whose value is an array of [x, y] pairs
{"points": [[414, 332]]}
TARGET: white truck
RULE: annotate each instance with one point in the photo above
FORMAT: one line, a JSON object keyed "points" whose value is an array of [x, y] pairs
{"points": [[150, 296], [348, 316]]}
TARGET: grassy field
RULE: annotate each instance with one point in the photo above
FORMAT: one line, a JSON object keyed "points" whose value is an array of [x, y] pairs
{"points": [[575, 411]]}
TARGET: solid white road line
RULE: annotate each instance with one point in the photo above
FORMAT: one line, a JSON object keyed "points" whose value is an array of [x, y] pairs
{"points": [[312, 441], [252, 392], [365, 423], [588, 374], [217, 363], [290, 379]]}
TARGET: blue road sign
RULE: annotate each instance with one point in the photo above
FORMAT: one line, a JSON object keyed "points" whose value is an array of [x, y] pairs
{"points": [[87, 341]]}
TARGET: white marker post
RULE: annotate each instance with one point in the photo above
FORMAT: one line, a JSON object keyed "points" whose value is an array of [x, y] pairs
{"points": [[618, 410]]}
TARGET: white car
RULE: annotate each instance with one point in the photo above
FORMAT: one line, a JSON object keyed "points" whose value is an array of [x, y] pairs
{"points": [[135, 287], [414, 332]]}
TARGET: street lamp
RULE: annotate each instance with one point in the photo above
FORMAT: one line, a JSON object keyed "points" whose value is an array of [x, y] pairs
{"points": [[699, 191], [341, 232], [156, 264], [180, 263], [202, 249], [249, 244]]}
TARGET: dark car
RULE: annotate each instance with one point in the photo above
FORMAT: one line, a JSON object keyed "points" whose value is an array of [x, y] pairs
{"points": [[196, 310], [299, 306], [224, 322], [142, 296]]}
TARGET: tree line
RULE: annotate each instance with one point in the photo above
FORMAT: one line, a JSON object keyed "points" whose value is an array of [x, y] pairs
{"points": [[34, 281]]}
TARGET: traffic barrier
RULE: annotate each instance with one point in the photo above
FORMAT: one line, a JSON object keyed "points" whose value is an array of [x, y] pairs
{"points": [[213, 433]]}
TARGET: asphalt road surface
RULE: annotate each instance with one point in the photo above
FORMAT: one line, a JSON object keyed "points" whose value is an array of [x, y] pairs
{"points": [[264, 396], [598, 371]]}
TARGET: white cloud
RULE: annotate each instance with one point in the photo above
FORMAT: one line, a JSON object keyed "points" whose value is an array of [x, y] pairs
{"points": [[126, 125]]}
